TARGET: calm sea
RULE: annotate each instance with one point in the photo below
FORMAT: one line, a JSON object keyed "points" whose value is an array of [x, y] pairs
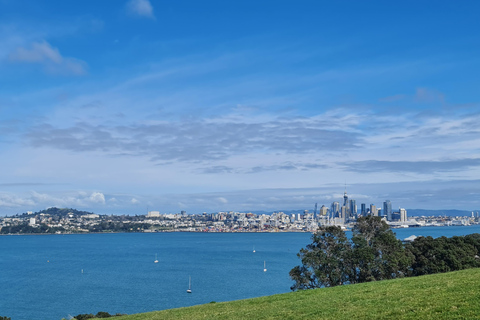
{"points": [[49, 277]]}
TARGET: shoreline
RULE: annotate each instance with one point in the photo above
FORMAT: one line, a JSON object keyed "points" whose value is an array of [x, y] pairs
{"points": [[190, 231]]}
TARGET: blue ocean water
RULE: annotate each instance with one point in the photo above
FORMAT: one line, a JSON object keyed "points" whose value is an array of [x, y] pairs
{"points": [[49, 277]]}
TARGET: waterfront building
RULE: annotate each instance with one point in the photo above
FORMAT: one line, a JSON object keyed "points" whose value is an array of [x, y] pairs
{"points": [[373, 210], [363, 209], [403, 215]]}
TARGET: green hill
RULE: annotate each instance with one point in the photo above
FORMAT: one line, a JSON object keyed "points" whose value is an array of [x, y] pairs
{"points": [[454, 295]]}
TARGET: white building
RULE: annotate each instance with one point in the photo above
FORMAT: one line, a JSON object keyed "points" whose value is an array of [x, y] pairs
{"points": [[403, 215], [153, 214]]}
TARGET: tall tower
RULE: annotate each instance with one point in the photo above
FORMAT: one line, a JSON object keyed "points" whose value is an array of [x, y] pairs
{"points": [[387, 210], [335, 209], [353, 207]]}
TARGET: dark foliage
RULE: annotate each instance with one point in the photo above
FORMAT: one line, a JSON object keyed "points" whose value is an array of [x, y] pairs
{"points": [[377, 253], [374, 253], [444, 254], [100, 314], [25, 228], [325, 262]]}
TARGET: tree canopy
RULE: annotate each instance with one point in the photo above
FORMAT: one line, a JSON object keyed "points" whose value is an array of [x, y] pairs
{"points": [[374, 253]]}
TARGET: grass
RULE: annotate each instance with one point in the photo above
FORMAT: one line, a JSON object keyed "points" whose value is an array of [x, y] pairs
{"points": [[454, 295]]}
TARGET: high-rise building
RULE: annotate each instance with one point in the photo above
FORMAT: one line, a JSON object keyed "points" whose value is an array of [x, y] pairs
{"points": [[344, 213], [373, 210], [353, 207], [363, 210], [323, 210], [335, 209], [403, 215], [387, 210], [346, 207]]}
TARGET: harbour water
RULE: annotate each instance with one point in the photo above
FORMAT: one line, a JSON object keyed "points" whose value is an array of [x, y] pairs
{"points": [[49, 277]]}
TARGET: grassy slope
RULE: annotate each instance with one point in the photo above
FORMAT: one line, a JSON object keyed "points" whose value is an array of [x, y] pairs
{"points": [[454, 295]]}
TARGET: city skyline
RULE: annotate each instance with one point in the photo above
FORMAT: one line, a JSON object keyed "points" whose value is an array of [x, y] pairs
{"points": [[127, 105]]}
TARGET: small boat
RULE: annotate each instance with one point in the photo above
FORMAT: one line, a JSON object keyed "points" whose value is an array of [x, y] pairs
{"points": [[254, 249], [156, 260], [264, 267], [189, 290]]}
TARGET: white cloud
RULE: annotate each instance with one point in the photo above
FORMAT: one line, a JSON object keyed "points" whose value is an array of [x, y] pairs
{"points": [[142, 8], [37, 200], [97, 197], [13, 201], [222, 200], [49, 57], [39, 52]]}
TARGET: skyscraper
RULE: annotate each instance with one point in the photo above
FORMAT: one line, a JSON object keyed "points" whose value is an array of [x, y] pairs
{"points": [[335, 209], [323, 210], [353, 207], [387, 210], [403, 215], [363, 210]]}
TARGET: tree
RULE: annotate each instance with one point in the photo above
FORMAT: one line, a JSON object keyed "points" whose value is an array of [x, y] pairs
{"points": [[374, 253], [377, 253], [325, 262], [444, 254]]}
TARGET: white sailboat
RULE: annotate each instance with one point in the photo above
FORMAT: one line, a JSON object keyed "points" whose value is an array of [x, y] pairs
{"points": [[156, 260], [189, 290], [264, 266], [254, 249]]}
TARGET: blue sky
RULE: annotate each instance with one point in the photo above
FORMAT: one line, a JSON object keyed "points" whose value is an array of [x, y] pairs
{"points": [[120, 106]]}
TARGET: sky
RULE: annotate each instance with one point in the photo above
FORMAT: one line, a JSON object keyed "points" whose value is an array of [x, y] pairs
{"points": [[120, 107]]}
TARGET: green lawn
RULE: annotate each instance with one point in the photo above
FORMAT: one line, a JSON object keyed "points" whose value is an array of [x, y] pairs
{"points": [[454, 295]]}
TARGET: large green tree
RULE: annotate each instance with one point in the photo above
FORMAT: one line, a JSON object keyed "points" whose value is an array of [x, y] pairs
{"points": [[326, 262], [374, 253], [377, 254]]}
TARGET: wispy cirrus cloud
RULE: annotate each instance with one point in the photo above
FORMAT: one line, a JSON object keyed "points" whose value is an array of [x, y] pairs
{"points": [[286, 166], [49, 58], [419, 167], [196, 141]]}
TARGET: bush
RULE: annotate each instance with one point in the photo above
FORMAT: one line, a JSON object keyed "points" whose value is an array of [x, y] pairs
{"points": [[100, 314]]}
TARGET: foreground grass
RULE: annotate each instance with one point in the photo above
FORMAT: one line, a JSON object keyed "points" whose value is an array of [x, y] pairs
{"points": [[454, 295]]}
